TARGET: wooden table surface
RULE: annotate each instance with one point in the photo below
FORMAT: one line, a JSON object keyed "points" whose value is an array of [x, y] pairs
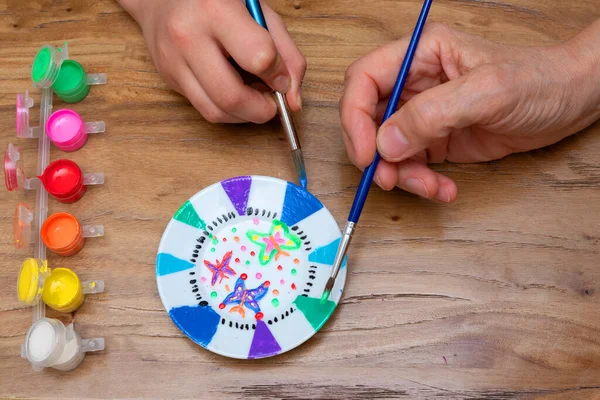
{"points": [[494, 297]]}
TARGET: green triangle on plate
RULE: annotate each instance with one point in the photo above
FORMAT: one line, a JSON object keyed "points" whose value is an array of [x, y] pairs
{"points": [[315, 312], [188, 215]]}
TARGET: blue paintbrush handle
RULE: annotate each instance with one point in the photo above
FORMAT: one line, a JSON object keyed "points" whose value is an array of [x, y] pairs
{"points": [[367, 178], [255, 10]]}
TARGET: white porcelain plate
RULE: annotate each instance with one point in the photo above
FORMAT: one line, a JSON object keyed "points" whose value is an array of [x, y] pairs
{"points": [[242, 265]]}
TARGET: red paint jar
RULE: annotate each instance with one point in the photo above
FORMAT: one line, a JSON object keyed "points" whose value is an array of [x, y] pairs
{"points": [[63, 180]]}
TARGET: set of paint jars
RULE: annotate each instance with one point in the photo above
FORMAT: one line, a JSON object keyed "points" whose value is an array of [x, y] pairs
{"points": [[49, 343]]}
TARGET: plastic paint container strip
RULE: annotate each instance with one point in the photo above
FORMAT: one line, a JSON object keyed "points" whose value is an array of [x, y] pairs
{"points": [[60, 289], [49, 344], [63, 234], [65, 182], [68, 132]]}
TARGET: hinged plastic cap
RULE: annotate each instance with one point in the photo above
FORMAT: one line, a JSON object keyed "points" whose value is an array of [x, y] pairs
{"points": [[24, 103], [30, 284], [13, 168], [22, 225], [46, 65]]}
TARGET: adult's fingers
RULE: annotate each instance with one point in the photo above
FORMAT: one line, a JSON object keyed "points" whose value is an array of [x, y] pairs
{"points": [[372, 78], [291, 55], [417, 178], [250, 45], [429, 117], [225, 87]]}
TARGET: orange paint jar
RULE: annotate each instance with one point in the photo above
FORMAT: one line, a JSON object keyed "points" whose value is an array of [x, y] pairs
{"points": [[63, 234]]}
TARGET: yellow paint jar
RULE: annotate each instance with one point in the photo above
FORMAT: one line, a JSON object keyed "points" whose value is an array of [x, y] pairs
{"points": [[63, 290], [60, 289]]}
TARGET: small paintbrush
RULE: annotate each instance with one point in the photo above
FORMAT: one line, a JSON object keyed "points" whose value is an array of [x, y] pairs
{"points": [[285, 115], [367, 178]]}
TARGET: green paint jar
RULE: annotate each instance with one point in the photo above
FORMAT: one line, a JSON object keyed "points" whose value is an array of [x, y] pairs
{"points": [[51, 68], [71, 85]]}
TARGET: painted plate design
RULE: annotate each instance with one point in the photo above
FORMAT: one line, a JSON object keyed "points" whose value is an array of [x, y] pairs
{"points": [[242, 265]]}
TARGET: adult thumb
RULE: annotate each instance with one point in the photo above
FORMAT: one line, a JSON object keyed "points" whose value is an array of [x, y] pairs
{"points": [[427, 117]]}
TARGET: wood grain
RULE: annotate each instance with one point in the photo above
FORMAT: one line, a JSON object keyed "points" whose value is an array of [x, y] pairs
{"points": [[494, 297]]}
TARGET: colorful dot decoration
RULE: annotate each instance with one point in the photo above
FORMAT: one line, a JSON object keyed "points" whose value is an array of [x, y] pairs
{"points": [[258, 275]]}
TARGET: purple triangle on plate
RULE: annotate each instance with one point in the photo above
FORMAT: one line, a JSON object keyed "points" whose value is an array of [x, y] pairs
{"points": [[263, 342], [238, 190]]}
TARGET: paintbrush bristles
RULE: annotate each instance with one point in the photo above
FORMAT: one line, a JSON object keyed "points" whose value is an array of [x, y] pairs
{"points": [[328, 289]]}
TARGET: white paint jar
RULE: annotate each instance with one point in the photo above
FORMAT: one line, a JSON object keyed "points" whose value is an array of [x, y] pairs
{"points": [[49, 344]]}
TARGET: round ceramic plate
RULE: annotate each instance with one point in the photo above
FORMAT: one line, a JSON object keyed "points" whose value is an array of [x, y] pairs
{"points": [[242, 265]]}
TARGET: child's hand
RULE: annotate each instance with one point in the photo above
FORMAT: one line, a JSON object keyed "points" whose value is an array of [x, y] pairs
{"points": [[467, 100], [190, 42]]}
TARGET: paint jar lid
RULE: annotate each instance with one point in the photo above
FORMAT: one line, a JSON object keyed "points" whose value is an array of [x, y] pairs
{"points": [[242, 265], [24, 103], [47, 64], [44, 343], [62, 178], [22, 225], [30, 283], [61, 231], [14, 175]]}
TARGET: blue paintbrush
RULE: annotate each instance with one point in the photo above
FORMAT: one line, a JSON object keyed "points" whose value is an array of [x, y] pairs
{"points": [[367, 178], [255, 10]]}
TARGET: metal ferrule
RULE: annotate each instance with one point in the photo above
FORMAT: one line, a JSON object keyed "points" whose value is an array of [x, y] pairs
{"points": [[343, 248], [287, 121]]}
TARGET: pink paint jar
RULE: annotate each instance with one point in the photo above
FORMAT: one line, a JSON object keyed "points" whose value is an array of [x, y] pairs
{"points": [[68, 132]]}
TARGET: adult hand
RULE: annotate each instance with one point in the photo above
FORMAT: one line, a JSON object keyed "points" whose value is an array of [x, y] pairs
{"points": [[466, 100], [190, 42]]}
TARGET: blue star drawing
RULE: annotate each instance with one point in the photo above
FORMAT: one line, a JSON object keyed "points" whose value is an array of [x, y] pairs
{"points": [[221, 270], [245, 297]]}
